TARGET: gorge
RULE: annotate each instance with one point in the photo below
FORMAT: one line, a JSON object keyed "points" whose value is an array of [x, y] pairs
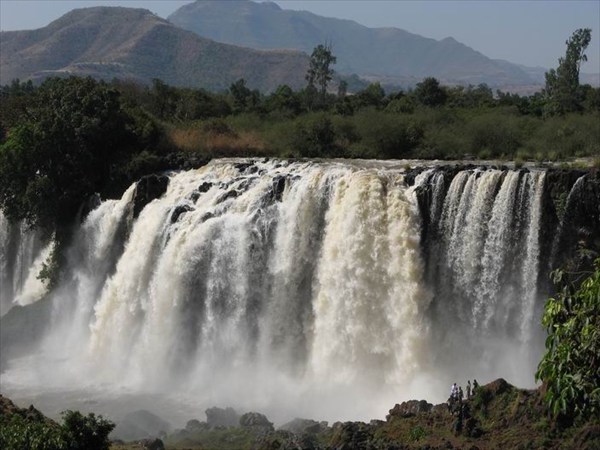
{"points": [[320, 288]]}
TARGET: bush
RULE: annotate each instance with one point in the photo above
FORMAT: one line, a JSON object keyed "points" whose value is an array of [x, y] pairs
{"points": [[570, 367], [314, 138], [78, 432]]}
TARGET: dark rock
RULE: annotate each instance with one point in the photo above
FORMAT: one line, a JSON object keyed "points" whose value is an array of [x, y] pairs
{"points": [[300, 426], [256, 421], [243, 166], [410, 408], [178, 211], [152, 444], [206, 216], [352, 435], [228, 195], [499, 386], [147, 189], [205, 187], [194, 196], [219, 417], [278, 187]]}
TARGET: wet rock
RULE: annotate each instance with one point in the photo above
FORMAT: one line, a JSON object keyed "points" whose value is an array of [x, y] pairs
{"points": [[222, 417], [147, 189], [242, 167], [204, 187], [228, 195], [352, 435], [278, 187], [300, 426], [178, 211], [256, 421], [206, 216], [194, 196]]}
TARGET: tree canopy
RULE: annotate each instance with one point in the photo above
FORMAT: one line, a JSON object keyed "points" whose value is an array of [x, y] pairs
{"points": [[562, 85], [62, 152], [570, 366]]}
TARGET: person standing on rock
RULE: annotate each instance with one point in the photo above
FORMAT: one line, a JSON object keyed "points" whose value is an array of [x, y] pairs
{"points": [[468, 389], [460, 394], [475, 386], [454, 392]]}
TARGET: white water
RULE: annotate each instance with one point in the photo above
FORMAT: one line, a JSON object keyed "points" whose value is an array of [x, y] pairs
{"points": [[22, 254], [317, 304]]}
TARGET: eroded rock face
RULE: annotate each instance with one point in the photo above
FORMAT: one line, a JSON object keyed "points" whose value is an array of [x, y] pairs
{"points": [[300, 426], [256, 421], [148, 188], [410, 408]]}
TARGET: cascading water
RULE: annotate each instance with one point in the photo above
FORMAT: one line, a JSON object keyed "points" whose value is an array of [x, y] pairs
{"points": [[22, 254], [305, 288]]}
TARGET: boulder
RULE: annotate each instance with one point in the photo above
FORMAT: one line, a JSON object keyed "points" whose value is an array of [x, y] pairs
{"points": [[256, 421], [147, 189], [410, 409], [300, 426]]}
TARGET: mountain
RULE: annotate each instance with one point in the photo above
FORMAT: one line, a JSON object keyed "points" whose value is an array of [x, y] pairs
{"points": [[386, 52], [107, 42]]}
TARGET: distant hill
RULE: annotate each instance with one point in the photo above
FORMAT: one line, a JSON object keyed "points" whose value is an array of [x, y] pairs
{"points": [[386, 52], [107, 42]]}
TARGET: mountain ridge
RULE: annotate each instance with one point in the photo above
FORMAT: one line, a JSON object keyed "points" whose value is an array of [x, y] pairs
{"points": [[399, 53], [133, 43]]}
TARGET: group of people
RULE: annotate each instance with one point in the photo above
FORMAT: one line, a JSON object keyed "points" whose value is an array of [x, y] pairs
{"points": [[457, 395]]}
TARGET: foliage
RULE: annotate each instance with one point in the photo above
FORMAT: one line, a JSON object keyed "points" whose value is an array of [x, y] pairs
{"points": [[85, 432], [562, 85], [318, 76], [52, 162], [77, 432], [570, 367], [17, 433], [417, 433], [429, 92]]}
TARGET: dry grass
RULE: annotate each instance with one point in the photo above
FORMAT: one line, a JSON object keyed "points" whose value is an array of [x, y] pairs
{"points": [[213, 144]]}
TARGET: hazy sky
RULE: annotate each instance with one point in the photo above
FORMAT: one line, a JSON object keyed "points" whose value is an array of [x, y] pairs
{"points": [[525, 32]]}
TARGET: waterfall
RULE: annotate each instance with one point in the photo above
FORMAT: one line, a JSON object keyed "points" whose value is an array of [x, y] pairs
{"points": [[276, 282], [22, 253]]}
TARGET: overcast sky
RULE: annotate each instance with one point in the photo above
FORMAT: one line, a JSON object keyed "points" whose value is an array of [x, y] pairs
{"points": [[525, 32]]}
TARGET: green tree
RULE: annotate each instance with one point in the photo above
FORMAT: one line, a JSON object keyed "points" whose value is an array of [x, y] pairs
{"points": [[86, 432], [319, 74], [429, 92], [63, 152], [562, 85], [570, 367], [244, 99]]}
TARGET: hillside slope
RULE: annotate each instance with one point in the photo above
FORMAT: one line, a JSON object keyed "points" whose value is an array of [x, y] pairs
{"points": [[388, 52], [107, 42]]}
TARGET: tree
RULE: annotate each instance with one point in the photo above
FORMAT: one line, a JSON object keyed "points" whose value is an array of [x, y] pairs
{"points": [[243, 98], [63, 152], [86, 432], [562, 85], [319, 72], [570, 367], [429, 93]]}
